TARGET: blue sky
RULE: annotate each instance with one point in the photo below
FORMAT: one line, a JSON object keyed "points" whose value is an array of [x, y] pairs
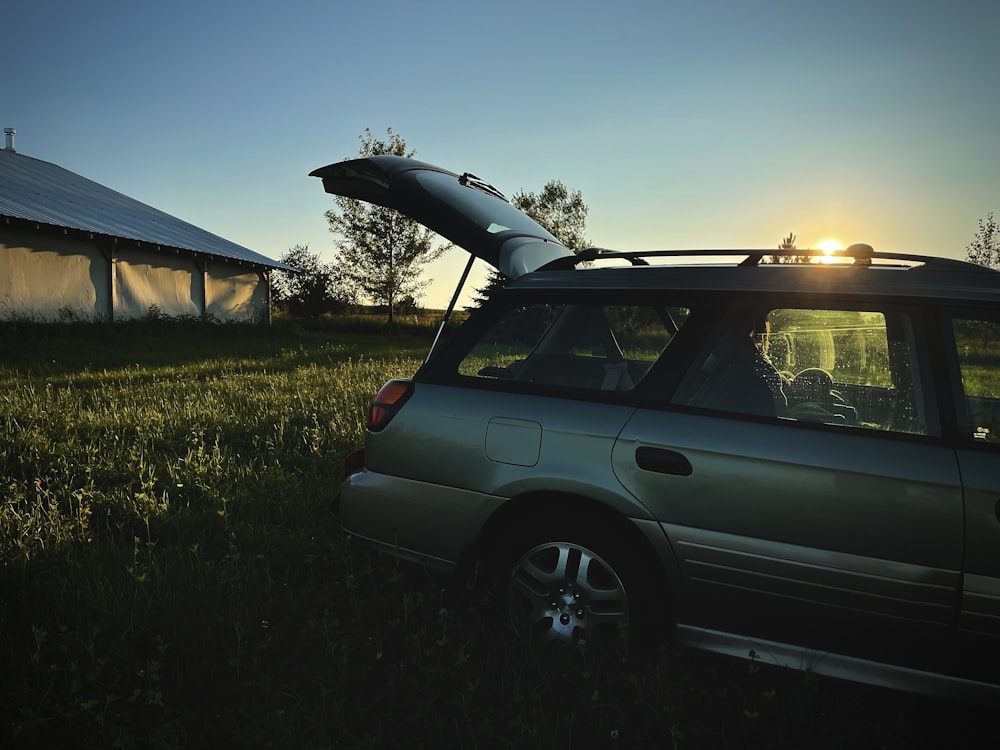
{"points": [[684, 124]]}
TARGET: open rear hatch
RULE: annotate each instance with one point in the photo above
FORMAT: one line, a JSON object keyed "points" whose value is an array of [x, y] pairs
{"points": [[461, 208]]}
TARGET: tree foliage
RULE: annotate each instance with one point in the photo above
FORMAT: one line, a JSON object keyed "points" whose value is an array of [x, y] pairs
{"points": [[787, 244], [985, 246], [380, 252], [559, 210], [314, 290]]}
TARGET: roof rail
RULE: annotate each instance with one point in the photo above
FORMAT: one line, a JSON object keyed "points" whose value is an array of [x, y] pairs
{"points": [[861, 254]]}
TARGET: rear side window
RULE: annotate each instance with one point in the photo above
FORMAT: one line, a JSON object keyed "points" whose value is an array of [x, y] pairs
{"points": [[576, 346], [845, 367], [852, 346], [977, 344]]}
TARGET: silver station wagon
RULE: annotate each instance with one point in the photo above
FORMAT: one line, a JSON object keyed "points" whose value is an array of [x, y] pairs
{"points": [[768, 454]]}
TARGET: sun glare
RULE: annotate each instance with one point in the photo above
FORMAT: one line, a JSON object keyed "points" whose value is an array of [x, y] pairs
{"points": [[830, 248]]}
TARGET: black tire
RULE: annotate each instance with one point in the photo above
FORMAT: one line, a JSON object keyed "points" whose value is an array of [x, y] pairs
{"points": [[563, 578]]}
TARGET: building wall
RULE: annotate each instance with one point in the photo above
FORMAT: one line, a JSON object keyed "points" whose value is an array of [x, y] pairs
{"points": [[49, 276], [234, 293], [46, 280], [145, 280]]}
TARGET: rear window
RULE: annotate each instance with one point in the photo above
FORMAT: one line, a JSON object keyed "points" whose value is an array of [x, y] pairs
{"points": [[576, 346], [486, 209]]}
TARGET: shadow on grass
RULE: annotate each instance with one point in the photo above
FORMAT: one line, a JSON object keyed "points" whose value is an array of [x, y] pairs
{"points": [[56, 349]]}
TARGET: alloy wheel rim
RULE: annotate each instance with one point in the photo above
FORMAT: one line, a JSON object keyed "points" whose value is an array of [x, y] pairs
{"points": [[560, 591]]}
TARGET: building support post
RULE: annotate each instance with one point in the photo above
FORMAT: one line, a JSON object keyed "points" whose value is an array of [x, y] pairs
{"points": [[266, 275], [109, 251], [204, 288]]}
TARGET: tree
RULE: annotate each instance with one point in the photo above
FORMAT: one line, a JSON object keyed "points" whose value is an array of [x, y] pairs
{"points": [[560, 211], [381, 253], [314, 290], [985, 246], [787, 244], [557, 209]]}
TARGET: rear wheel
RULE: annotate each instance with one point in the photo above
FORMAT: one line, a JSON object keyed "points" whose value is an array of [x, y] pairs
{"points": [[576, 581]]}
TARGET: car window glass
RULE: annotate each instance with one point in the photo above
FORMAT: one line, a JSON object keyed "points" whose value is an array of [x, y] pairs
{"points": [[977, 342], [851, 346], [841, 367], [484, 207], [582, 346]]}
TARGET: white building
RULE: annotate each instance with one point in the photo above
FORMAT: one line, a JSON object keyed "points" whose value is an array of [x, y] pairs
{"points": [[71, 248]]}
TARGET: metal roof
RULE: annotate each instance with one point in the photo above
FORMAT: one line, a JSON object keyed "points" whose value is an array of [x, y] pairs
{"points": [[38, 191]]}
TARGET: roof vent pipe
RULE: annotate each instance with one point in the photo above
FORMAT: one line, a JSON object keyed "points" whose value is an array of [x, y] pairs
{"points": [[9, 134]]}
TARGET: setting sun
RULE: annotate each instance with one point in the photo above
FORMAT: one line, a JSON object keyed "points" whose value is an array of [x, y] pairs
{"points": [[830, 248]]}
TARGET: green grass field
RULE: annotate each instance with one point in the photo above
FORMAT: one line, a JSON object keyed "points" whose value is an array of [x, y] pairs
{"points": [[172, 576]]}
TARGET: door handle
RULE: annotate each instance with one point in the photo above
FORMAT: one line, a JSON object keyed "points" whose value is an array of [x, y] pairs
{"points": [[662, 461]]}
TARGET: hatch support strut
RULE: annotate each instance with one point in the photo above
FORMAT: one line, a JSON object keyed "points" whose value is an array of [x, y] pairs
{"points": [[451, 305]]}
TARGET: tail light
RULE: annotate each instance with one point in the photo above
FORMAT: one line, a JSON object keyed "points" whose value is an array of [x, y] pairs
{"points": [[388, 402]]}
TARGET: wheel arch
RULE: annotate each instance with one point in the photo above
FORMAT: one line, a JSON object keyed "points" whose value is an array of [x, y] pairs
{"points": [[551, 504]]}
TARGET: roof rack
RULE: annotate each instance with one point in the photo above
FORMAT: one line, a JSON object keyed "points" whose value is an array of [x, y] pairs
{"points": [[861, 254]]}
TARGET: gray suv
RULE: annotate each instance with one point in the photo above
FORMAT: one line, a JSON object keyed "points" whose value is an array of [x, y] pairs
{"points": [[774, 455]]}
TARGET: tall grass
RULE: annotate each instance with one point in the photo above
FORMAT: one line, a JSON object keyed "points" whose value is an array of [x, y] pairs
{"points": [[172, 576]]}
